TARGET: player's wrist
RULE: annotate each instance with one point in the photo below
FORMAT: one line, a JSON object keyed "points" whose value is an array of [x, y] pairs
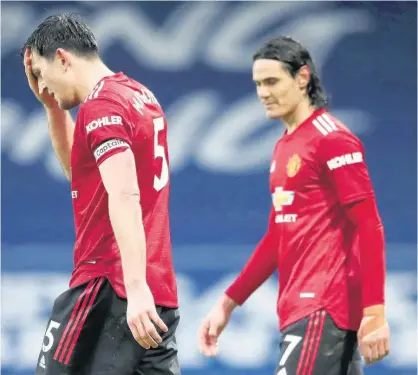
{"points": [[134, 285], [227, 304]]}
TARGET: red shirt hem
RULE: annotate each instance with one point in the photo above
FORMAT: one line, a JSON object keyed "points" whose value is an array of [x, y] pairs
{"points": [[340, 323], [77, 281]]}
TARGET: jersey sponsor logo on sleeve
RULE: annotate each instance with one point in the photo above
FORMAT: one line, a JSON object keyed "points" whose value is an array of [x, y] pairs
{"points": [[347, 159], [109, 145], [103, 121]]}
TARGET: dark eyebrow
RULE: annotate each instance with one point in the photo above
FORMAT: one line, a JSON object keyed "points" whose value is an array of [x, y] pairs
{"points": [[266, 79]]}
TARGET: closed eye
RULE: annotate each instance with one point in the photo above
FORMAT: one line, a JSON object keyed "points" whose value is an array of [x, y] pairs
{"points": [[267, 82], [271, 81]]}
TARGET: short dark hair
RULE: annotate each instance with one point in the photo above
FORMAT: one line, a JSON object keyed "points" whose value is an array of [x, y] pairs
{"points": [[67, 31], [294, 56]]}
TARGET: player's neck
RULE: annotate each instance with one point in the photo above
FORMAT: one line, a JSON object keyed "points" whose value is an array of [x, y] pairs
{"points": [[92, 73], [303, 111]]}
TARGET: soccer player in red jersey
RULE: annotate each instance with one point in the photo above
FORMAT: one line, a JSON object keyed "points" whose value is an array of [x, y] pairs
{"points": [[122, 299], [324, 236]]}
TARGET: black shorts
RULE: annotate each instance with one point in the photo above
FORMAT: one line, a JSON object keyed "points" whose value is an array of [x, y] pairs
{"points": [[316, 346], [88, 335]]}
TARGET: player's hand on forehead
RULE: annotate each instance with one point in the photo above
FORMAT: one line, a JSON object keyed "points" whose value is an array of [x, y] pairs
{"points": [[32, 80], [28, 62], [43, 96]]}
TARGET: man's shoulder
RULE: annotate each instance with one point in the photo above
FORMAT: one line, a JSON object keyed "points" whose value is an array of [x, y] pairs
{"points": [[113, 90], [123, 93], [102, 107], [329, 130]]}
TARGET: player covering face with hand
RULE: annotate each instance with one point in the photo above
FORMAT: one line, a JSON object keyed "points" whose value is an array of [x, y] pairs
{"points": [[324, 236], [119, 316]]}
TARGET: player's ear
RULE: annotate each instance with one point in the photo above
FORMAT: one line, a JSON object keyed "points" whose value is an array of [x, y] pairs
{"points": [[303, 77], [63, 58]]}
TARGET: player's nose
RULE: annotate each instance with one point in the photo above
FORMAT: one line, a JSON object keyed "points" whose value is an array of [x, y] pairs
{"points": [[262, 92]]}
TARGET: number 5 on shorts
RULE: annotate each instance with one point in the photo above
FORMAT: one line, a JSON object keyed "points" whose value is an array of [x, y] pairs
{"points": [[293, 342], [48, 334]]}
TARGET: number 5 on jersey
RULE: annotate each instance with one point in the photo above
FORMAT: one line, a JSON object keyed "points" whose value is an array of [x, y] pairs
{"points": [[159, 152]]}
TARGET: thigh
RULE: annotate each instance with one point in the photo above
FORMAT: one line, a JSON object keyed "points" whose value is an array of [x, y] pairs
{"points": [[356, 365], [116, 351], [338, 352], [316, 346], [72, 331], [163, 360]]}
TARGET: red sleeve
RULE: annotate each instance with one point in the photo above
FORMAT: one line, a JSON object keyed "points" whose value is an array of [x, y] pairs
{"points": [[365, 216], [258, 269], [106, 128], [342, 158]]}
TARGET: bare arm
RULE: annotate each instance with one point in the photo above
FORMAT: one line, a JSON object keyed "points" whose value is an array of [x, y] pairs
{"points": [[120, 180], [61, 131]]}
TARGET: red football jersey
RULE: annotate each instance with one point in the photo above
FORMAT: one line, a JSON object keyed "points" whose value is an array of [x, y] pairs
{"points": [[120, 113], [315, 171]]}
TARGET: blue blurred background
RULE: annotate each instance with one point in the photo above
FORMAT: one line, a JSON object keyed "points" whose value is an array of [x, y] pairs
{"points": [[196, 57]]}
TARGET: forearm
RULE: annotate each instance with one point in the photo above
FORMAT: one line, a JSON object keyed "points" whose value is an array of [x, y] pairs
{"points": [[372, 254], [258, 269], [373, 271], [126, 218], [227, 304], [61, 132]]}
